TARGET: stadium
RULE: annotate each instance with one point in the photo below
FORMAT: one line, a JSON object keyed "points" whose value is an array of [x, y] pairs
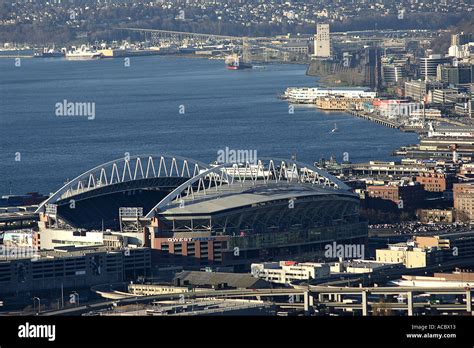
{"points": [[225, 215]]}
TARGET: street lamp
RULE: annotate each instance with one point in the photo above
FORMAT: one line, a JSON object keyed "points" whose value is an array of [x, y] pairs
{"points": [[39, 304], [76, 297]]}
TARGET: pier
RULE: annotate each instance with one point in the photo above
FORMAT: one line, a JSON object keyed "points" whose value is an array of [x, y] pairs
{"points": [[383, 121], [11, 56]]}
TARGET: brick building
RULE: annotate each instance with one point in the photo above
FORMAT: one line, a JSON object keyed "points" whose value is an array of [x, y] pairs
{"points": [[463, 195], [436, 182], [404, 196]]}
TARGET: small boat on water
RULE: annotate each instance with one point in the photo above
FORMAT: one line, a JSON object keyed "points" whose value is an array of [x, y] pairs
{"points": [[234, 62], [334, 130], [50, 53]]}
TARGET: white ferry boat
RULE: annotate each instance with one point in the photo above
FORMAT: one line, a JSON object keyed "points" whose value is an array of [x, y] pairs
{"points": [[83, 53], [308, 95]]}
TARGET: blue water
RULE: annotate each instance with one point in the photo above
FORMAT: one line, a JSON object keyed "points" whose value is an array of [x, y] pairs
{"points": [[137, 111]]}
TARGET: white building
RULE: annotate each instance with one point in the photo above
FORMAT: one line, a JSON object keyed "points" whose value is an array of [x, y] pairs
{"points": [[409, 254], [53, 238], [461, 51], [18, 238], [322, 41], [284, 272], [362, 266], [429, 65]]}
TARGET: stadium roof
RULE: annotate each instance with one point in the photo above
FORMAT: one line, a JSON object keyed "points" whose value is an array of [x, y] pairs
{"points": [[245, 195]]}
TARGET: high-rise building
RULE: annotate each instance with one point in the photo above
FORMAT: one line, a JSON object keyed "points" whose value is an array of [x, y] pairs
{"points": [[392, 73], [429, 65], [322, 41], [416, 90], [373, 67], [456, 75]]}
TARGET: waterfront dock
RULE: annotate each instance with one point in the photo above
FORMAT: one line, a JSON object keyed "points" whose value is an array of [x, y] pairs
{"points": [[16, 56], [383, 121]]}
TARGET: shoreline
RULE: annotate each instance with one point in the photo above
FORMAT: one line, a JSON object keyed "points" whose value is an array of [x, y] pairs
{"points": [[178, 55]]}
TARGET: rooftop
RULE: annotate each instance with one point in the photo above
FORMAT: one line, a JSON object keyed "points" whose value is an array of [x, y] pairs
{"points": [[59, 252], [214, 279], [246, 194]]}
